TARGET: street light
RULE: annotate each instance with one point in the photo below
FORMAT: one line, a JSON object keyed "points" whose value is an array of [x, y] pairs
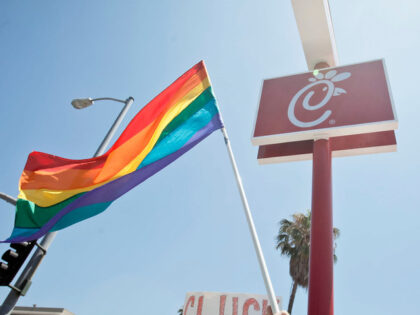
{"points": [[80, 103], [24, 281]]}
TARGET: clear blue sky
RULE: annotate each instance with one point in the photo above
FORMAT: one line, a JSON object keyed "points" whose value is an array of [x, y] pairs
{"points": [[184, 229]]}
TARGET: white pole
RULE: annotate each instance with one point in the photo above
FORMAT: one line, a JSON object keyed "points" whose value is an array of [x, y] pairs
{"points": [[253, 231]]}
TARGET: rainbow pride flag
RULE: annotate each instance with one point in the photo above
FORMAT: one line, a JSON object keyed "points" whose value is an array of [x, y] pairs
{"points": [[56, 192]]}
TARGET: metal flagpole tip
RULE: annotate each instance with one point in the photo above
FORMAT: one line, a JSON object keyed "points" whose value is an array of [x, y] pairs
{"points": [[80, 103]]}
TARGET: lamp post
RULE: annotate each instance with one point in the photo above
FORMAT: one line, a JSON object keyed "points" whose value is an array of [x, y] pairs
{"points": [[23, 283]]}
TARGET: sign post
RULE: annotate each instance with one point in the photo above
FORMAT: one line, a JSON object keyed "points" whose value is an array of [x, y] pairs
{"points": [[320, 296], [328, 112]]}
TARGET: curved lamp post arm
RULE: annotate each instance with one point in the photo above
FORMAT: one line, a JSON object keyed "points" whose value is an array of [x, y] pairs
{"points": [[80, 103], [109, 99]]}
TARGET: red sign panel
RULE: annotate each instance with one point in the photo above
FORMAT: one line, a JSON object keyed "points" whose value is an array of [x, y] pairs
{"points": [[329, 102]]}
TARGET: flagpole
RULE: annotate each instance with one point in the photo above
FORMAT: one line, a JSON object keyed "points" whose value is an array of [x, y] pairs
{"points": [[260, 256], [264, 271]]}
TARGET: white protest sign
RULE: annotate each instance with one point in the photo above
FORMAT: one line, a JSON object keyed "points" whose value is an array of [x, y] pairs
{"points": [[215, 303]]}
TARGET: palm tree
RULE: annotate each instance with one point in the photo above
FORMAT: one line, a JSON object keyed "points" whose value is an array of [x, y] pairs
{"points": [[293, 241]]}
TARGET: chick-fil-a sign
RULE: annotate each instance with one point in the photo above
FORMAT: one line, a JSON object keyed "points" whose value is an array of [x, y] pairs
{"points": [[213, 303], [330, 102]]}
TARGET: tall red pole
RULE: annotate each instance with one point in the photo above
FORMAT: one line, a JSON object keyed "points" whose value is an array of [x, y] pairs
{"points": [[320, 300]]}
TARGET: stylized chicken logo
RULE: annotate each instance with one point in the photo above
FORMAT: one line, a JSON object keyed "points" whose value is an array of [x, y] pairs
{"points": [[329, 79]]}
